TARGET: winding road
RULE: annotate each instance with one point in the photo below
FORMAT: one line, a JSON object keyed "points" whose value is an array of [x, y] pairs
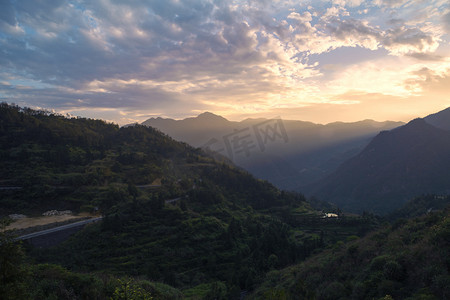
{"points": [[55, 229]]}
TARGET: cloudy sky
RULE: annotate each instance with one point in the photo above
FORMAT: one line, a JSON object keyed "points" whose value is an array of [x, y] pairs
{"points": [[321, 61]]}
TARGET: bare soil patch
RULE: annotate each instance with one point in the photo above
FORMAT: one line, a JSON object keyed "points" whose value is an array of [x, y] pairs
{"points": [[44, 220]]}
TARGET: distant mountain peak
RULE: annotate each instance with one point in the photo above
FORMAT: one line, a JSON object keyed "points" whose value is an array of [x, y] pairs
{"points": [[210, 116], [203, 117]]}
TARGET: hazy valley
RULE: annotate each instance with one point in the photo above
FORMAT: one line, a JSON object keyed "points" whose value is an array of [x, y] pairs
{"points": [[290, 154]]}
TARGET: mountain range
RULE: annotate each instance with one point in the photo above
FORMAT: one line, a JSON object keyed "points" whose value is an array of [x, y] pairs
{"points": [[178, 224], [288, 153], [395, 166], [171, 213]]}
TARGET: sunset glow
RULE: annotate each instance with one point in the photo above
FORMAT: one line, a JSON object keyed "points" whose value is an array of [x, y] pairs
{"points": [[320, 61]]}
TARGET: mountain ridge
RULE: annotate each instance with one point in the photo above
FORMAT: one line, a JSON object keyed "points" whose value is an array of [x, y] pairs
{"points": [[396, 165], [440, 119], [304, 152]]}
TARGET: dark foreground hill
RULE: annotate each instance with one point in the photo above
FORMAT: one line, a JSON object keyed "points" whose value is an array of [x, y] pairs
{"points": [[406, 260], [397, 165]]}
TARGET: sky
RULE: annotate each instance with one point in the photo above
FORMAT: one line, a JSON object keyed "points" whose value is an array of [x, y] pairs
{"points": [[319, 61]]}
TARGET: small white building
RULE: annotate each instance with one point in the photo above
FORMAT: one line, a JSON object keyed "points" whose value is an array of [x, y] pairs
{"points": [[330, 215]]}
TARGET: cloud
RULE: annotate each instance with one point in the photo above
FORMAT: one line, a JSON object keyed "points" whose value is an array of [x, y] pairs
{"points": [[390, 3], [8, 22], [103, 54], [354, 32], [332, 32], [156, 42], [427, 56], [7, 13], [354, 3], [301, 18], [350, 3], [403, 40], [166, 56], [446, 21], [430, 81]]}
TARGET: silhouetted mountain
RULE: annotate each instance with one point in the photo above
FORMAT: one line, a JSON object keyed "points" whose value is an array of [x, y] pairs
{"points": [[195, 131], [288, 153], [210, 117], [397, 165], [440, 119]]}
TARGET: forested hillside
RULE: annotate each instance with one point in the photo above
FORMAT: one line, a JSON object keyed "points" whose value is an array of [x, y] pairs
{"points": [[406, 260], [179, 224], [172, 214]]}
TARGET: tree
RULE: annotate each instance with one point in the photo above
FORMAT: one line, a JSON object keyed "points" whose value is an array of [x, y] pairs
{"points": [[12, 271], [128, 290]]}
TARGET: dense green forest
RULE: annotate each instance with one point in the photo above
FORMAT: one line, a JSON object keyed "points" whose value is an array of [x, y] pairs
{"points": [[408, 259], [172, 213], [59, 162], [177, 223], [419, 206], [22, 279]]}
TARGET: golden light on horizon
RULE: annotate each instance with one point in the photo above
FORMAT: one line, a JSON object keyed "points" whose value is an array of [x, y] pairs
{"points": [[322, 61]]}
